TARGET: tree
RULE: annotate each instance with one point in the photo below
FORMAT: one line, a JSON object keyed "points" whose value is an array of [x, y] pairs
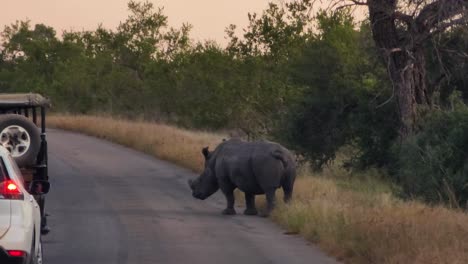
{"points": [[400, 29], [269, 44], [344, 93], [276, 33], [29, 55]]}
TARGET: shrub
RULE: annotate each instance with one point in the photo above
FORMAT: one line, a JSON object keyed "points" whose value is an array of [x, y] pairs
{"points": [[433, 163]]}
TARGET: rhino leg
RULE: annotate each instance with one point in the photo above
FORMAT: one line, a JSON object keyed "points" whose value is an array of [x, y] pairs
{"points": [[288, 183], [271, 201], [250, 204], [288, 190], [229, 193]]}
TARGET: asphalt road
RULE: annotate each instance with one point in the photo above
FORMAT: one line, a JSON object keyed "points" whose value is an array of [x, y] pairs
{"points": [[109, 204]]}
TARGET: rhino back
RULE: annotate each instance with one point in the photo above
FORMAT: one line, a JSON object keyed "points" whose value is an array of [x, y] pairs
{"points": [[250, 166], [233, 168]]}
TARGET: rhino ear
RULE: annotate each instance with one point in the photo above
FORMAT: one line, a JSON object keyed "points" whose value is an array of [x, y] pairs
{"points": [[206, 152]]}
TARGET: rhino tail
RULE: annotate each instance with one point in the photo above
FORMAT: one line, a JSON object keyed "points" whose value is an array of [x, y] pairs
{"points": [[278, 154]]}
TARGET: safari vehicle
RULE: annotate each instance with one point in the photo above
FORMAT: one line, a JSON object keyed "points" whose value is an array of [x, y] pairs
{"points": [[23, 134]]}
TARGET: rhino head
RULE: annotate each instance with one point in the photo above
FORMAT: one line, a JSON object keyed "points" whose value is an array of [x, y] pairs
{"points": [[206, 184]]}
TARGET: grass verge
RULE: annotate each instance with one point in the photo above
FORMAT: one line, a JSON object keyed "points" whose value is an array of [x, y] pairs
{"points": [[180, 146], [353, 217]]}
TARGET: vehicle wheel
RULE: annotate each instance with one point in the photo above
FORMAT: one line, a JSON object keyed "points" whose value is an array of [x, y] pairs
{"points": [[21, 137]]}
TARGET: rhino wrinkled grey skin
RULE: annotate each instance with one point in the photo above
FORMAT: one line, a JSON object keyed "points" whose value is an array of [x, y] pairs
{"points": [[253, 167]]}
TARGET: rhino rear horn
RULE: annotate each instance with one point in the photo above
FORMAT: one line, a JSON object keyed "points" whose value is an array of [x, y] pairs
{"points": [[206, 152]]}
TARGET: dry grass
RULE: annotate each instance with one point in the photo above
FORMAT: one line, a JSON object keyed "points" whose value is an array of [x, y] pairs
{"points": [[374, 227], [169, 143], [356, 219]]}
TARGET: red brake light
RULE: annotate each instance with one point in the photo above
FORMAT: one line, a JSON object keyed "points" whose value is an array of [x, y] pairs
{"points": [[9, 190], [16, 253], [12, 187]]}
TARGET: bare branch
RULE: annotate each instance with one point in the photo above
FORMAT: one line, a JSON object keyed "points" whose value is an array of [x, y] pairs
{"points": [[439, 11], [409, 20], [359, 2], [340, 4], [441, 27], [448, 24]]}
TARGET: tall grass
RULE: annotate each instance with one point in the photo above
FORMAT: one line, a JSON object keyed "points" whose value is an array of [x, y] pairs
{"points": [[180, 146], [353, 217], [374, 227]]}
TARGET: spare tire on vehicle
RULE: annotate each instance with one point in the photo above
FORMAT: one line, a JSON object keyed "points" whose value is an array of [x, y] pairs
{"points": [[21, 137]]}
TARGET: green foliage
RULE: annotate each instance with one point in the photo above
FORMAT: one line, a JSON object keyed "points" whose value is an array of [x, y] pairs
{"points": [[29, 56], [198, 86], [271, 43], [344, 96], [433, 163], [92, 71], [276, 33]]}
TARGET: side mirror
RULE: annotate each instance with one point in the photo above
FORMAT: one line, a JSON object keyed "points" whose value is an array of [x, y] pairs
{"points": [[39, 187]]}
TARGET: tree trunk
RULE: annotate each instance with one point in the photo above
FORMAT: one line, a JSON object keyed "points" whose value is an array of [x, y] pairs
{"points": [[409, 76], [405, 61]]}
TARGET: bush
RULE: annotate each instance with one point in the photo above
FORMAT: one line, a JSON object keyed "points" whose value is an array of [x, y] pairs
{"points": [[345, 97], [433, 163]]}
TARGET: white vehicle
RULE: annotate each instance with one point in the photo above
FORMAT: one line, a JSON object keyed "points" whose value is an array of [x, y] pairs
{"points": [[20, 216]]}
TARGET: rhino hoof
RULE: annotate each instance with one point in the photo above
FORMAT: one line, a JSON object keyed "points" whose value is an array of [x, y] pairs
{"points": [[229, 211], [250, 212]]}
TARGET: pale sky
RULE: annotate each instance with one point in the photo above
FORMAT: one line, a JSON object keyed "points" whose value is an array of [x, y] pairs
{"points": [[209, 17]]}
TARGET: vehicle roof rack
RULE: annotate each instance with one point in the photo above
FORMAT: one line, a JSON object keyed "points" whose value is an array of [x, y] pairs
{"points": [[23, 100]]}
